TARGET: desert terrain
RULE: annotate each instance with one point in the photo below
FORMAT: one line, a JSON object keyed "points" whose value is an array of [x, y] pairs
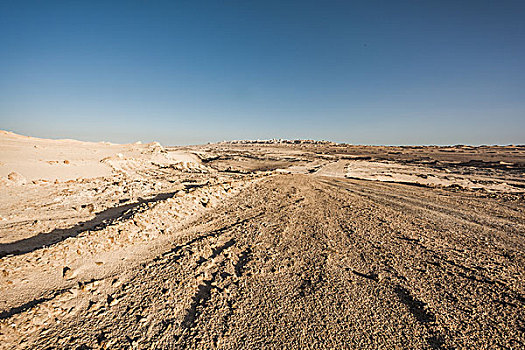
{"points": [[260, 245]]}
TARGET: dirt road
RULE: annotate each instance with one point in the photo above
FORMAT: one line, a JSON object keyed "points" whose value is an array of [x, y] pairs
{"points": [[301, 261], [266, 245]]}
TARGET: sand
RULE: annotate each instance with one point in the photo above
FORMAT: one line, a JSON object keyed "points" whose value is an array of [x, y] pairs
{"points": [[260, 245], [40, 160]]}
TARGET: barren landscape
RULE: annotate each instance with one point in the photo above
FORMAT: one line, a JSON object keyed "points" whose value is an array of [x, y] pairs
{"points": [[260, 244]]}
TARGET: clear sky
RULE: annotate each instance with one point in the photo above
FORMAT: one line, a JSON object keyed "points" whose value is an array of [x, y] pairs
{"points": [[186, 72]]}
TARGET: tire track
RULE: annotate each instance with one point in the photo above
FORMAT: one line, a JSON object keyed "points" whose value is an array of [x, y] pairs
{"points": [[409, 202], [296, 262]]}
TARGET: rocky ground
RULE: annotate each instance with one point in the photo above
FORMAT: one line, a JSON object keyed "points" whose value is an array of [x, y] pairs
{"points": [[250, 245]]}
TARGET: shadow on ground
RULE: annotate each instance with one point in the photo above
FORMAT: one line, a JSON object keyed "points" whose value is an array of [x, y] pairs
{"points": [[102, 219]]}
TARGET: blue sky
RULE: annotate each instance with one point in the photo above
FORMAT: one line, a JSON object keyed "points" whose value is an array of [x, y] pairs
{"points": [[187, 72]]}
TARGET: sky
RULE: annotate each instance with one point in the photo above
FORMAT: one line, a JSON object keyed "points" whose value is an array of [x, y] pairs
{"points": [[191, 72]]}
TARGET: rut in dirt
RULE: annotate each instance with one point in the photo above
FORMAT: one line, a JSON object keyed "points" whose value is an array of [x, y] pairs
{"points": [[315, 262]]}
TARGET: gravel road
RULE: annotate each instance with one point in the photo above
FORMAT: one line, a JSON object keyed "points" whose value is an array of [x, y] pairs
{"points": [[302, 261]]}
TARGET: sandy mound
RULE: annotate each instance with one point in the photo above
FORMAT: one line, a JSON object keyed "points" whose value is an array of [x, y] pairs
{"points": [[25, 159], [411, 174]]}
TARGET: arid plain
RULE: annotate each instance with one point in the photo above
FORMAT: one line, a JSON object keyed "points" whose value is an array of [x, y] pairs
{"points": [[260, 245]]}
